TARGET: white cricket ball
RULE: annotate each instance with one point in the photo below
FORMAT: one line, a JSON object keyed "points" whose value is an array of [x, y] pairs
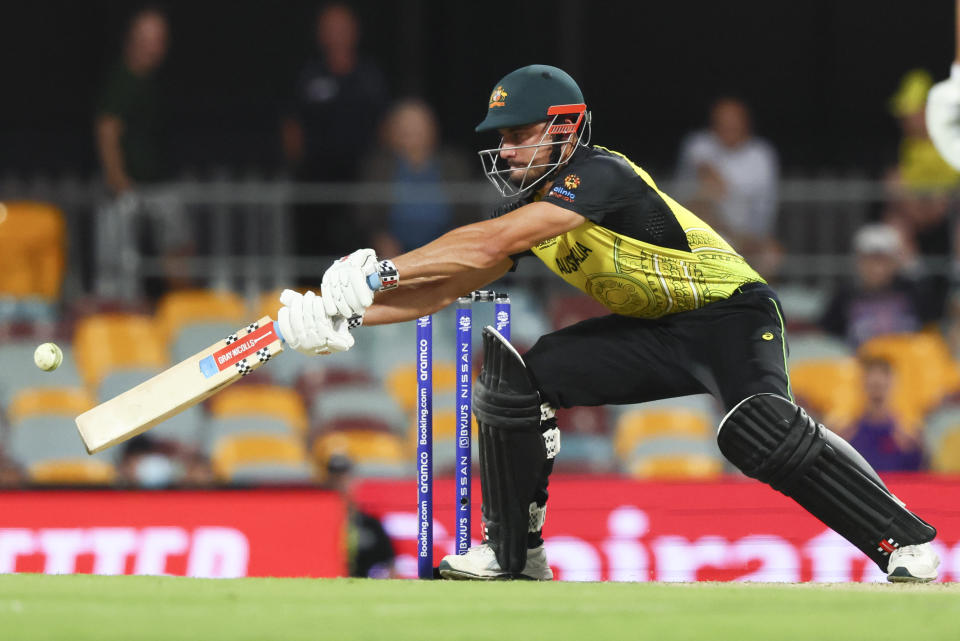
{"points": [[48, 357]]}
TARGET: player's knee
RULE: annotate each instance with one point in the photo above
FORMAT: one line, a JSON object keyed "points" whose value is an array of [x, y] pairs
{"points": [[770, 438]]}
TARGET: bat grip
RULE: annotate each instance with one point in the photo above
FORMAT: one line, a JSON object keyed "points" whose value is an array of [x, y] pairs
{"points": [[373, 280]]}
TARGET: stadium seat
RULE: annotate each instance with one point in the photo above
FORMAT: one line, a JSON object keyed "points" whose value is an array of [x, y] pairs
{"points": [[946, 458], [108, 342], [63, 401], [194, 337], [938, 424], [72, 472], [814, 346], [674, 457], [32, 250], [51, 451], [585, 453], [272, 473], [232, 453], [360, 447], [828, 388], [357, 402], [224, 426], [121, 380], [261, 401], [18, 372], [401, 381], [675, 467], [180, 308], [640, 424]]}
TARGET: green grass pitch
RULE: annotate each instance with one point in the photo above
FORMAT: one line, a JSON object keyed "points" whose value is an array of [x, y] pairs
{"points": [[106, 608]]}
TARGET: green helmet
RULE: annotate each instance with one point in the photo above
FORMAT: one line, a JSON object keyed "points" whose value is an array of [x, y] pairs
{"points": [[527, 94], [532, 94]]}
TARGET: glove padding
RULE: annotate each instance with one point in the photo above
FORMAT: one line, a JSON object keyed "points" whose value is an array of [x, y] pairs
{"points": [[307, 328], [344, 286], [943, 117]]}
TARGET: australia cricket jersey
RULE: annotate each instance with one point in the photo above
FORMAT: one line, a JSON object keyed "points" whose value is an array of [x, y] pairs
{"points": [[639, 253]]}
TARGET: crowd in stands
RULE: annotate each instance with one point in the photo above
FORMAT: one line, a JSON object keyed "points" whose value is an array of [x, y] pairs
{"points": [[879, 365]]}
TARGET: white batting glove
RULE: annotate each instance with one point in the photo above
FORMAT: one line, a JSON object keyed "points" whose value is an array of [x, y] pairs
{"points": [[307, 328], [344, 286], [943, 117]]}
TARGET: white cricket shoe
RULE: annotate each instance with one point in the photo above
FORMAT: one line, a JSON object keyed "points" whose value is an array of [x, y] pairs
{"points": [[479, 563], [913, 564]]}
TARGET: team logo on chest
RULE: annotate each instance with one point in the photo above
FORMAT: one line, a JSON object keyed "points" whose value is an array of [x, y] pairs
{"points": [[572, 181]]}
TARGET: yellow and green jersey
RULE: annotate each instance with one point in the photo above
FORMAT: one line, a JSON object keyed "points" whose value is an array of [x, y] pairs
{"points": [[639, 253]]}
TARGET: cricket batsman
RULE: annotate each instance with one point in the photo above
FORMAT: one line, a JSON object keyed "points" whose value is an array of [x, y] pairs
{"points": [[688, 315]]}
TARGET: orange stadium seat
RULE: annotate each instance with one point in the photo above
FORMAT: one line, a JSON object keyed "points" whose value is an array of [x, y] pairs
{"points": [[231, 453], [72, 472], [829, 388], [180, 308], [68, 401], [32, 250], [360, 446], [675, 467], [946, 458], [637, 425], [261, 400], [107, 342], [401, 382]]}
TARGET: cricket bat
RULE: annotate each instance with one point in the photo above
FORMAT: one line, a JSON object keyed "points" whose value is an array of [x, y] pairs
{"points": [[183, 385]]}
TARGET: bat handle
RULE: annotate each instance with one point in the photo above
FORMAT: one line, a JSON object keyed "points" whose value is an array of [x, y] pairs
{"points": [[373, 280], [276, 329]]}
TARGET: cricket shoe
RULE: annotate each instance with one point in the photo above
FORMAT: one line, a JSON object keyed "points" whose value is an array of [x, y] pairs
{"points": [[913, 564], [479, 563]]}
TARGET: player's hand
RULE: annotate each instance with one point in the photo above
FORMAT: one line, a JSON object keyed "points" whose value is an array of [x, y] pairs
{"points": [[344, 286], [943, 117], [307, 328]]}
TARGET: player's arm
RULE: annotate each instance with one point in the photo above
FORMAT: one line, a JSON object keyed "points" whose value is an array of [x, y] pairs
{"points": [[423, 296], [485, 245], [479, 246]]}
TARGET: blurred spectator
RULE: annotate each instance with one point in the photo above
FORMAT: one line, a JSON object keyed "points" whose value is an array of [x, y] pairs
{"points": [[129, 132], [11, 475], [412, 158], [731, 178], [919, 188], [877, 434], [331, 123], [151, 463], [147, 463], [882, 299], [129, 128], [369, 549]]}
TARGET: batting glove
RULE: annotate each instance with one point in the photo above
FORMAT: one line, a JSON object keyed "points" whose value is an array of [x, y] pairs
{"points": [[344, 286], [307, 328]]}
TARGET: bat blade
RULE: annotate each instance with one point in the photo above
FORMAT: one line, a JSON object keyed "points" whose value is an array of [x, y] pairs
{"points": [[179, 387]]}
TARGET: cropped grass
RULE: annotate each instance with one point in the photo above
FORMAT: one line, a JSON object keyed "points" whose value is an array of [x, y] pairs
{"points": [[105, 608]]}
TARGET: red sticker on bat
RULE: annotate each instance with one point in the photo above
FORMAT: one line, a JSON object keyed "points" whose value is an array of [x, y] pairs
{"points": [[241, 348]]}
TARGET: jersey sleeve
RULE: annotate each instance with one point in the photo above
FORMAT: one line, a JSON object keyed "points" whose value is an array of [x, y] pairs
{"points": [[593, 187]]}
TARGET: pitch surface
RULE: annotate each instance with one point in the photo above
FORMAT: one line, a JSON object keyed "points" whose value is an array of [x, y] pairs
{"points": [[107, 608]]}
